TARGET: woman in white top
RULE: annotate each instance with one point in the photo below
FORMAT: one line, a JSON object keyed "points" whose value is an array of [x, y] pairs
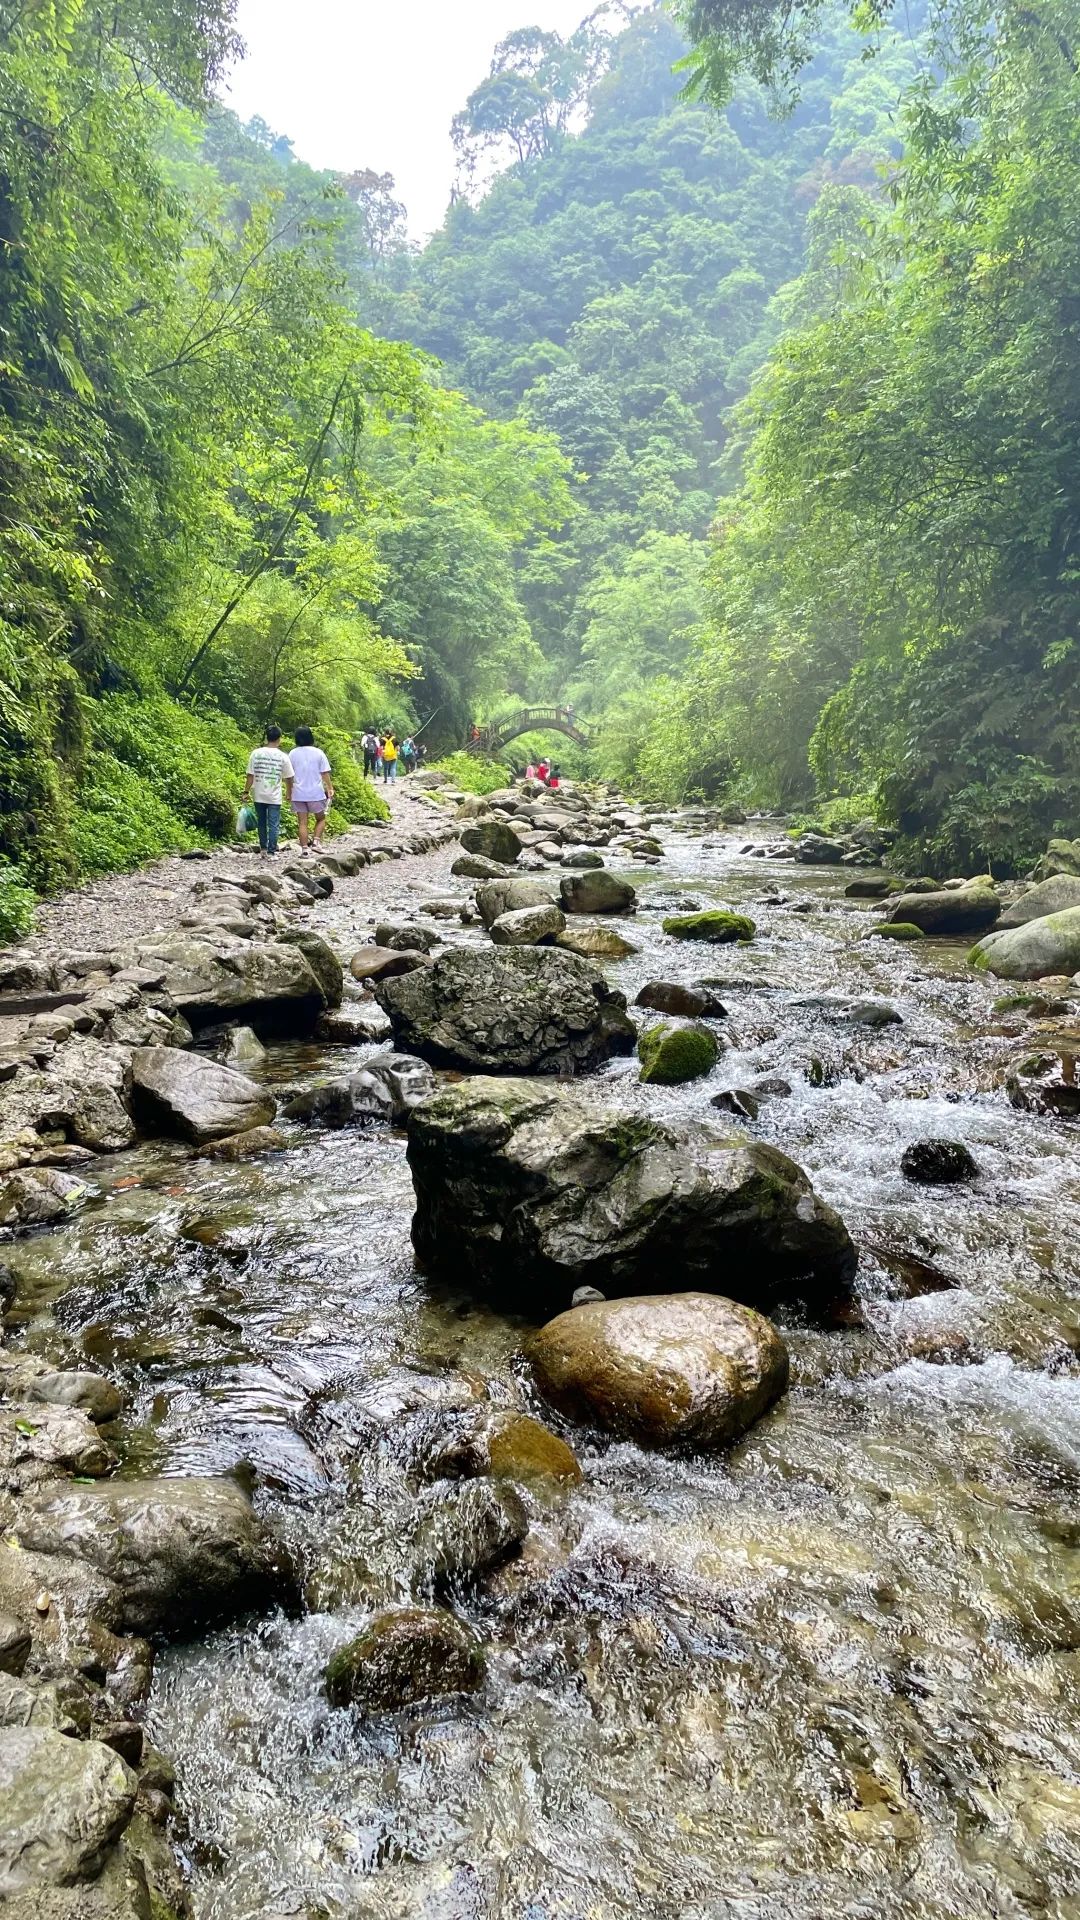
{"points": [[313, 788]]}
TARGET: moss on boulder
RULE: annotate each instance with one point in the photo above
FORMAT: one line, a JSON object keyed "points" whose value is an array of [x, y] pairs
{"points": [[670, 1055], [718, 925], [895, 930]]}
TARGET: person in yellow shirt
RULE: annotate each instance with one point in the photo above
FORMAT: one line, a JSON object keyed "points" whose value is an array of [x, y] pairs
{"points": [[389, 758]]}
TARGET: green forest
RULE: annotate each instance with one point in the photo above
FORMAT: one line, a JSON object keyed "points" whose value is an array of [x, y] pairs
{"points": [[735, 399]]}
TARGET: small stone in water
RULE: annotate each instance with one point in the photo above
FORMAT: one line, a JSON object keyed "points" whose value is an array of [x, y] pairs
{"points": [[938, 1163], [736, 1100]]}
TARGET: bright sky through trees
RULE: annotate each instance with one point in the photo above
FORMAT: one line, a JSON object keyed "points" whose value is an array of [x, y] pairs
{"points": [[352, 89]]}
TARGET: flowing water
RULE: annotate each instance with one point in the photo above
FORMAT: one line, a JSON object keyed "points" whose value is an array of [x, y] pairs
{"points": [[835, 1672]]}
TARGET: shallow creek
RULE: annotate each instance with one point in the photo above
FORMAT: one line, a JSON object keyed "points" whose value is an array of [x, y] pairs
{"points": [[834, 1673]]}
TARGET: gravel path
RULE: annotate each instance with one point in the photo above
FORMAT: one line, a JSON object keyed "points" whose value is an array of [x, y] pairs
{"points": [[120, 908]]}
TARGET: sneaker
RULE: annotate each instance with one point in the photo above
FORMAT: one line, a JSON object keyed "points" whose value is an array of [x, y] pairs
{"points": [[304, 851]]}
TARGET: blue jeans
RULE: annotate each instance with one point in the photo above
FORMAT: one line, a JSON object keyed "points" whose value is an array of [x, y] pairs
{"points": [[269, 819], [389, 769]]}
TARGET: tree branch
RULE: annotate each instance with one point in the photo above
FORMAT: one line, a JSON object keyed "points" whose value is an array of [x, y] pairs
{"points": [[274, 548]]}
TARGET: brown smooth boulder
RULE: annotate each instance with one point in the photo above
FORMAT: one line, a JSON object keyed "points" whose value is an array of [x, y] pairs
{"points": [[668, 1370]]}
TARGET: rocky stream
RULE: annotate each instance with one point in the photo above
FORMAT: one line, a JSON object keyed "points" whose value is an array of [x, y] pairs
{"points": [[344, 1578]]}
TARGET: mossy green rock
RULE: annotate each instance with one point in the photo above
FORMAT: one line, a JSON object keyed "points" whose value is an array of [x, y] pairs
{"points": [[417, 1653], [1048, 946], [670, 1055], [718, 926], [896, 930]]}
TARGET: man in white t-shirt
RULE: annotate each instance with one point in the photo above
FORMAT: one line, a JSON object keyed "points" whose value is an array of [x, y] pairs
{"points": [[313, 788], [269, 778]]}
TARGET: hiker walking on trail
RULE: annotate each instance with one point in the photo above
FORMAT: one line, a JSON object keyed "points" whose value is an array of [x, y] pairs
{"points": [[269, 778], [389, 758], [313, 788], [369, 743]]}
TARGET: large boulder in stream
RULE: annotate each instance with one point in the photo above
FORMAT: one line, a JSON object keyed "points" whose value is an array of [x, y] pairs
{"points": [[952, 910], [529, 1192], [180, 1553], [192, 1098], [281, 983], [676, 1370], [512, 895], [600, 892], [509, 1010], [1035, 903], [1034, 951], [494, 839], [63, 1804]]}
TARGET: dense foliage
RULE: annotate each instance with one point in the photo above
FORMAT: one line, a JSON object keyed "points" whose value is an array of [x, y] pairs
{"points": [[753, 434], [222, 498], [895, 591]]}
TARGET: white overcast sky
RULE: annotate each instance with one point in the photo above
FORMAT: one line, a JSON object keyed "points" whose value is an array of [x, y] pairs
{"points": [[360, 83]]}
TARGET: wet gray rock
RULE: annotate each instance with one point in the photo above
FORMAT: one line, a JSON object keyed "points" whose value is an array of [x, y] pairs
{"points": [[874, 1014], [601, 892], [63, 1805], [1057, 895], [88, 1393], [410, 938], [475, 866], [670, 996], [670, 1370], [502, 1442], [180, 1553], [250, 1145], [411, 1654], [938, 1163], [40, 1197], [963, 909], [527, 926], [352, 1025], [386, 1087], [243, 1049], [585, 858], [509, 1010], [460, 1532], [815, 850], [872, 888], [495, 839], [280, 982], [389, 1086], [192, 1098], [37, 1441], [527, 1192], [513, 895], [1046, 1082], [14, 1644], [738, 1101], [322, 960]]}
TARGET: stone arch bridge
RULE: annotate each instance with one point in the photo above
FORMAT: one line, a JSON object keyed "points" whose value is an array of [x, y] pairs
{"points": [[499, 733]]}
